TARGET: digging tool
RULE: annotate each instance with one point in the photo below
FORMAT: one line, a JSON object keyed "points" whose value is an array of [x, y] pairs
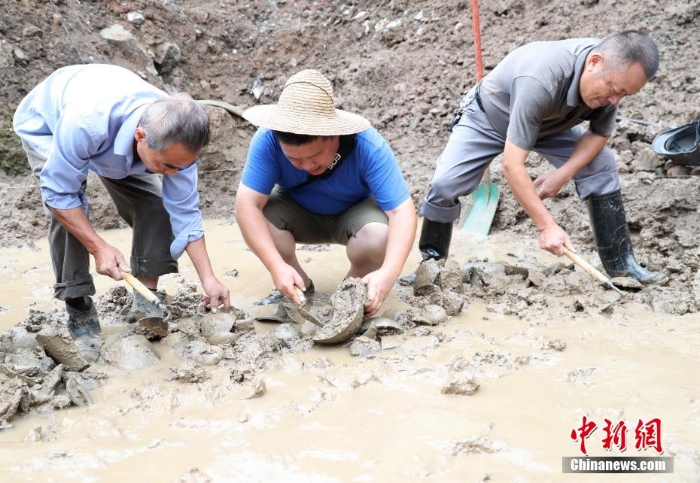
{"points": [[484, 200], [637, 121], [302, 311], [157, 325], [591, 270], [230, 108]]}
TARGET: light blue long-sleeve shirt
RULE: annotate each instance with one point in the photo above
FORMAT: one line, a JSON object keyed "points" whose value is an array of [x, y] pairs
{"points": [[84, 118]]}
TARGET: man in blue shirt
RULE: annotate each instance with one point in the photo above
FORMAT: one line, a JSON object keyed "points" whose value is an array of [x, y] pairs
{"points": [[106, 119], [317, 174]]}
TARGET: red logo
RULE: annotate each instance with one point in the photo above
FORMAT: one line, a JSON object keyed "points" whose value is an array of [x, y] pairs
{"points": [[646, 435]]}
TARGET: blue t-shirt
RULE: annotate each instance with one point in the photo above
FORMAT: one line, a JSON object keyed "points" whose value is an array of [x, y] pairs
{"points": [[370, 169]]}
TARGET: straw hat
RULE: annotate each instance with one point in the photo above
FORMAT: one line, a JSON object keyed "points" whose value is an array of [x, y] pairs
{"points": [[306, 106]]}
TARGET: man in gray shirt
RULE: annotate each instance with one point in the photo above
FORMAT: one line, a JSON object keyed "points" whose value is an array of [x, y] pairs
{"points": [[535, 100]]}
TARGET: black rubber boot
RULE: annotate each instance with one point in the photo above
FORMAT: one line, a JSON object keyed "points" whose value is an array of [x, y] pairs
{"points": [[435, 239], [609, 225], [83, 322]]}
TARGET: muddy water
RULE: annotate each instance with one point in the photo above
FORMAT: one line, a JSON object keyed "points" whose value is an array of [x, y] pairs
{"points": [[329, 417]]}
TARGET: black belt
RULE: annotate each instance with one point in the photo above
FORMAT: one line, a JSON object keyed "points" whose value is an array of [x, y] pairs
{"points": [[477, 98], [458, 112]]}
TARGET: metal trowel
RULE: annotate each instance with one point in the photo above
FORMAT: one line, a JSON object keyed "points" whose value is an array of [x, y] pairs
{"points": [[302, 311], [157, 325]]}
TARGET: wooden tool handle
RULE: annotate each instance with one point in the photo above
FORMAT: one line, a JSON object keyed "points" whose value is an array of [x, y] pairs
{"points": [[300, 293], [590, 269], [141, 288]]}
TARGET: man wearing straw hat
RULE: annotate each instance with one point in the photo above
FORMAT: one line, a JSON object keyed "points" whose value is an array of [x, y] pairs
{"points": [[317, 174], [106, 119]]}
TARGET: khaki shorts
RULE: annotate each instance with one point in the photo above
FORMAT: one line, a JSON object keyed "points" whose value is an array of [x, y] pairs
{"points": [[307, 227]]}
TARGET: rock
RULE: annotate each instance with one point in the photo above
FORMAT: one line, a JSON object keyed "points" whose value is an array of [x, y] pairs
{"points": [[127, 43], [259, 389], [30, 30], [461, 383], [364, 346], [6, 58], [677, 172], [77, 393], [16, 338], [131, 352], [451, 277], [21, 58], [11, 393], [189, 371], [288, 331], [646, 160], [60, 346], [484, 273], [167, 57], [51, 381], [203, 353], [431, 315], [452, 302], [136, 18]]}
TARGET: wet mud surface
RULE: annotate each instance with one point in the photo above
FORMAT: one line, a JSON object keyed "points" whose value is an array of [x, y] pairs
{"points": [[528, 325]]}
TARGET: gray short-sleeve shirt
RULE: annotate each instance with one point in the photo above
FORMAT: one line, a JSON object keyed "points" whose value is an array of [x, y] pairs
{"points": [[534, 92]]}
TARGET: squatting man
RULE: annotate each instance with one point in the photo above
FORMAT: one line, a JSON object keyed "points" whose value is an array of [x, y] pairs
{"points": [[317, 174]]}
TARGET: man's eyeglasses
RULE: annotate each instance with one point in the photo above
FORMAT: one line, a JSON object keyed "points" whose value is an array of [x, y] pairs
{"points": [[170, 166]]}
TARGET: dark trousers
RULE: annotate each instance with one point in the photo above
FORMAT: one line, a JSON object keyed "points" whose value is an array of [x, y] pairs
{"points": [[139, 202]]}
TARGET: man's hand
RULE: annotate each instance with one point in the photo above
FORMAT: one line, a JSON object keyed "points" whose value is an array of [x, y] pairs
{"points": [[110, 261], [217, 294], [379, 284], [552, 238], [285, 278], [549, 184]]}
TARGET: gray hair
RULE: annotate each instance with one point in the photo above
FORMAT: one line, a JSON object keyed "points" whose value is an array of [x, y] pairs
{"points": [[629, 47], [176, 119]]}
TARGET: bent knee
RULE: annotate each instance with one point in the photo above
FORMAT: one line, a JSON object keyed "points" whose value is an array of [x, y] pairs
{"points": [[370, 240]]}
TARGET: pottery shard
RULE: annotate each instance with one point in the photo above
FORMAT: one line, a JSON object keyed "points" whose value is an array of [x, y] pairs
{"points": [[348, 302], [426, 276]]}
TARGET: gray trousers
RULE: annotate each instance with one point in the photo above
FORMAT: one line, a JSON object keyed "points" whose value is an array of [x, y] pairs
{"points": [[139, 202], [472, 146]]}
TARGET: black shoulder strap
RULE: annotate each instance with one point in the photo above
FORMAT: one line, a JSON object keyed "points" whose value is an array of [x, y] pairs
{"points": [[345, 147]]}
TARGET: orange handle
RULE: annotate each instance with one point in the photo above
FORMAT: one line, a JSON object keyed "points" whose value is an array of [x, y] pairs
{"points": [[476, 27]]}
